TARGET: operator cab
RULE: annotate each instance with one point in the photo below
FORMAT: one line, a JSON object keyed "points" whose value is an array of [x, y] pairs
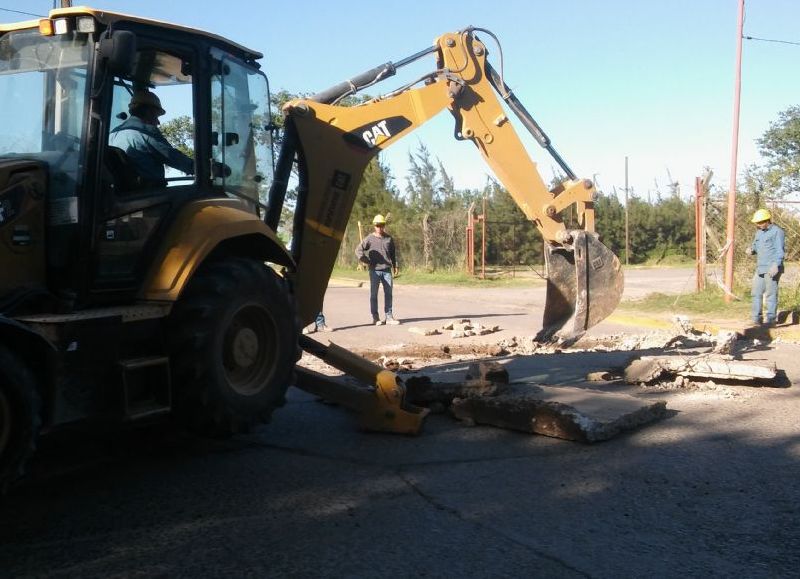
{"points": [[66, 83]]}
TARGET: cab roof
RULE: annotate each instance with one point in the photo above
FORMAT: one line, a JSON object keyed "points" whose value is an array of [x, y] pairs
{"points": [[108, 18]]}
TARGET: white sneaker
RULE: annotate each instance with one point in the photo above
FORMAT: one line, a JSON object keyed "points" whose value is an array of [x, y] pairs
{"points": [[379, 322], [391, 321]]}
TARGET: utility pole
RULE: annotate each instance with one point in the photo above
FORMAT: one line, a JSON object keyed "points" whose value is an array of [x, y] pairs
{"points": [[737, 93], [627, 231]]}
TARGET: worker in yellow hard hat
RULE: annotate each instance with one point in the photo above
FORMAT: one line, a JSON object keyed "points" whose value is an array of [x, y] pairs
{"points": [[377, 250], [768, 246]]}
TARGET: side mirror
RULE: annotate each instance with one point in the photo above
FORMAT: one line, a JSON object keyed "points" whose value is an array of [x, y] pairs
{"points": [[118, 49]]}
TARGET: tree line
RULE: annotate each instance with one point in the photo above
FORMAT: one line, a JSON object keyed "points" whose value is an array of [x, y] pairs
{"points": [[428, 213]]}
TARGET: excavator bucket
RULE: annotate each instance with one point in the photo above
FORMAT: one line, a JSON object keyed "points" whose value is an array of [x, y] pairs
{"points": [[584, 285]]}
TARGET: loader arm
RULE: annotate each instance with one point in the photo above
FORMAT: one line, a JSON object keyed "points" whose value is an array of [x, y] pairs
{"points": [[332, 146]]}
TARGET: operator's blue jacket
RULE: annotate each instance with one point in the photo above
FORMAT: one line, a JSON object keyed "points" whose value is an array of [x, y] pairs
{"points": [[768, 245], [148, 149]]}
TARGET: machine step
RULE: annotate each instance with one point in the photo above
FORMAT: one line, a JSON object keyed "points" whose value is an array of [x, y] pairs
{"points": [[146, 387]]}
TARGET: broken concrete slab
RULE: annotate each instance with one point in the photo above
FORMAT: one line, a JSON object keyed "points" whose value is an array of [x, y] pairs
{"points": [[420, 390], [561, 412], [653, 368]]}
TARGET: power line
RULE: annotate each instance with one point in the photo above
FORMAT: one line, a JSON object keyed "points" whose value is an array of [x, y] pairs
{"points": [[21, 12], [772, 40]]}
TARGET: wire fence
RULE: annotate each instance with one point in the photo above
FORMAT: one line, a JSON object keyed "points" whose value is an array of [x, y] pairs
{"points": [[428, 241], [784, 214], [440, 241], [512, 248]]}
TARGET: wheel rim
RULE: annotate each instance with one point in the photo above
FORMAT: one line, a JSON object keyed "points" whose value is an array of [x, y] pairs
{"points": [[5, 421], [250, 348]]}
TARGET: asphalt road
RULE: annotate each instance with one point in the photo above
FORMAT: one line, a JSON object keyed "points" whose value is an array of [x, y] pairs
{"points": [[516, 311], [709, 491]]}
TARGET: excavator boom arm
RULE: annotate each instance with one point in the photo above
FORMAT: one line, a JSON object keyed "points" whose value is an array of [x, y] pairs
{"points": [[333, 144]]}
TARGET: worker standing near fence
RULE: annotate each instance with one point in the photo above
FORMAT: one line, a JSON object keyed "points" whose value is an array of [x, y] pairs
{"points": [[768, 246]]}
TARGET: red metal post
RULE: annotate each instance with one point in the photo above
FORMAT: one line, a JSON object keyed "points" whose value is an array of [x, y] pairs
{"points": [[483, 240], [737, 92], [699, 234], [470, 239]]}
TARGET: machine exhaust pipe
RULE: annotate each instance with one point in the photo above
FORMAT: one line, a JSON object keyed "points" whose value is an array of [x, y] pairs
{"points": [[584, 285]]}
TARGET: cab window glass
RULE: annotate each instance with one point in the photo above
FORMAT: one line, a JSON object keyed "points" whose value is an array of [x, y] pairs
{"points": [[43, 95], [151, 133], [241, 140]]}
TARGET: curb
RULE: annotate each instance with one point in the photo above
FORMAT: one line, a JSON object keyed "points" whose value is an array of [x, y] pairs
{"points": [[344, 283]]}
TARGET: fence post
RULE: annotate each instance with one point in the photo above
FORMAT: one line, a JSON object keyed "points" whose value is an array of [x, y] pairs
{"points": [[470, 239], [483, 240], [700, 234], [514, 252]]}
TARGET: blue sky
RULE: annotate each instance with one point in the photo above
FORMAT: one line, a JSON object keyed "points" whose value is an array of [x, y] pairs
{"points": [[649, 79]]}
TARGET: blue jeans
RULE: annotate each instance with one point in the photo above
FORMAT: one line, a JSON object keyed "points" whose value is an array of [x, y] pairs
{"points": [[763, 283], [377, 278]]}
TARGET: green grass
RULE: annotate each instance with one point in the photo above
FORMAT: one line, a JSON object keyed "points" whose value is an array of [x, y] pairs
{"points": [[449, 278], [710, 301]]}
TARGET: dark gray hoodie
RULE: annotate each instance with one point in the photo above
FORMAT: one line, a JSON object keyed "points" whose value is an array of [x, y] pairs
{"points": [[378, 252]]}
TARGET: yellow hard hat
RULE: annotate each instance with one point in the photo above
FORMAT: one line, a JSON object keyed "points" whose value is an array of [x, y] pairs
{"points": [[761, 215], [379, 220], [145, 98]]}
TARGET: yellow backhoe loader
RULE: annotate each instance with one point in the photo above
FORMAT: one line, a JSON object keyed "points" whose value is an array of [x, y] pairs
{"points": [[129, 294]]}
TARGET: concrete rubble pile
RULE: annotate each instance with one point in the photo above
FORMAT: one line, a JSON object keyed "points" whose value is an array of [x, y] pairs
{"points": [[720, 364], [683, 335], [466, 328], [463, 328], [486, 396], [586, 407]]}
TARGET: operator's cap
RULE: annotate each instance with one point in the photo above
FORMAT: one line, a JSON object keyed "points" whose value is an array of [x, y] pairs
{"points": [[379, 220], [761, 215], [145, 98]]}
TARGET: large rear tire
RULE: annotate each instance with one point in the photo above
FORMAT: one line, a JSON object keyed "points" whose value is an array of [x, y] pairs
{"points": [[20, 417], [233, 345]]}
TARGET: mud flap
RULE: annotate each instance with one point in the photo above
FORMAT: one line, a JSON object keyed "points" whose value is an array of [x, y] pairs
{"points": [[584, 285]]}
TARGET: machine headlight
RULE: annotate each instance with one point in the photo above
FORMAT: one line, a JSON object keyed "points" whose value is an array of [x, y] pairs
{"points": [[61, 26], [86, 25]]}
